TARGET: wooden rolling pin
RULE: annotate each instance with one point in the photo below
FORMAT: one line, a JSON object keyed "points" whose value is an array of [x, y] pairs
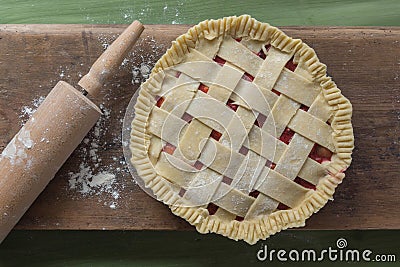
{"points": [[45, 142]]}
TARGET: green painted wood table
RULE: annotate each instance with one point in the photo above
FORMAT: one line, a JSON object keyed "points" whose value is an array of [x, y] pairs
{"points": [[152, 248]]}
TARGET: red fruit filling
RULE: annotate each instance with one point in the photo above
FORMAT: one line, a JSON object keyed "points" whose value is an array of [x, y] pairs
{"points": [[286, 136], [290, 65], [260, 120], [261, 54], [219, 60], [212, 208], [227, 180], [168, 148], [160, 100], [304, 183], [187, 117], [182, 192], [320, 154], [198, 165], [232, 106], [270, 165], [304, 107], [239, 219], [275, 92], [247, 77], [243, 150], [282, 206], [203, 88], [216, 135], [254, 193]]}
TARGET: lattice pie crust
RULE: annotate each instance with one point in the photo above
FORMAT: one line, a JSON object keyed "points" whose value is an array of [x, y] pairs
{"points": [[239, 130]]}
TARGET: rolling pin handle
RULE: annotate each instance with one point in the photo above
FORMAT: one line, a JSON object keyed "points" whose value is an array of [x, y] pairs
{"points": [[111, 59]]}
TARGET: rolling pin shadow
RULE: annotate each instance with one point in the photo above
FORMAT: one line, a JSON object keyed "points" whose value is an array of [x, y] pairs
{"points": [[45, 142]]}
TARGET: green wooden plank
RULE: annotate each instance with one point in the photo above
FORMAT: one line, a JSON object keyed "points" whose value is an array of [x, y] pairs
{"points": [[295, 12], [117, 248]]}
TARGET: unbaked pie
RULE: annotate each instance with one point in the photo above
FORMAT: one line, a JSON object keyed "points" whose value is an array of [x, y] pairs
{"points": [[240, 131]]}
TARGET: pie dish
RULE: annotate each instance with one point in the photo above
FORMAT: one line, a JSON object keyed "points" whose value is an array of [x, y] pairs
{"points": [[240, 131]]}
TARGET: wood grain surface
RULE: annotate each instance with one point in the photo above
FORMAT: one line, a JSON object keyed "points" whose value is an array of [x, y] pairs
{"points": [[364, 62]]}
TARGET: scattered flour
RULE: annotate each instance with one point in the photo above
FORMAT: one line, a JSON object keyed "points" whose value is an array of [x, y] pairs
{"points": [[24, 136], [88, 183], [140, 74], [148, 52], [141, 60], [15, 151], [106, 40], [63, 72], [94, 176], [28, 111]]}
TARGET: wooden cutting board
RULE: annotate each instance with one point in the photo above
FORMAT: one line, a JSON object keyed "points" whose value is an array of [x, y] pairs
{"points": [[364, 62]]}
